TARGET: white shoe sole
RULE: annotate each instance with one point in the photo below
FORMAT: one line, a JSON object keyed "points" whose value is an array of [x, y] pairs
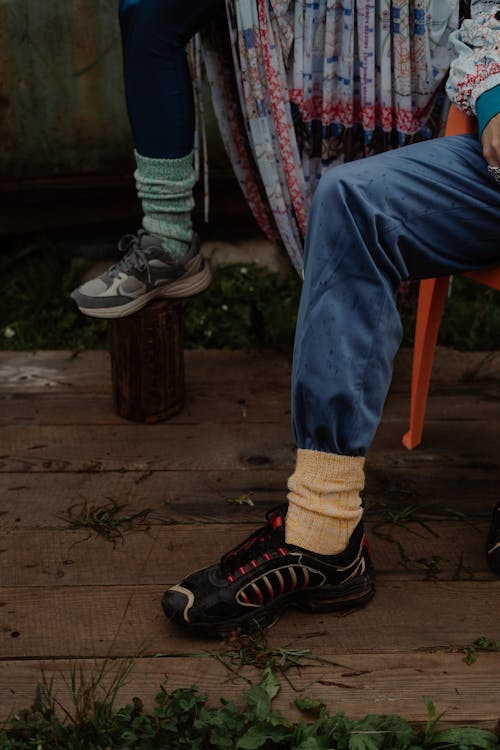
{"points": [[186, 286]]}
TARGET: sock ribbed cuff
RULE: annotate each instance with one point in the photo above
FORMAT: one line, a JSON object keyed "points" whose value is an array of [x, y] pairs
{"points": [[171, 169], [324, 502]]}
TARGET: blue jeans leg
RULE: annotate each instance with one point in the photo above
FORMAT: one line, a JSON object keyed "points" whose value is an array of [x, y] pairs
{"points": [[430, 209], [158, 85]]}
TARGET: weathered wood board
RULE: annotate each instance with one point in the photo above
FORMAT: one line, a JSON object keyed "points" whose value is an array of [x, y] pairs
{"points": [[68, 597]]}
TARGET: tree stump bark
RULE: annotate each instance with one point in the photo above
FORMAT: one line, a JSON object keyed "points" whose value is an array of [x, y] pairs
{"points": [[147, 362]]}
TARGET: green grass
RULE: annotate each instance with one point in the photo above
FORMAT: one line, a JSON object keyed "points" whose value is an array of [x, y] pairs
{"points": [[471, 319], [246, 307], [87, 716], [483, 643], [107, 520], [91, 719], [35, 309]]}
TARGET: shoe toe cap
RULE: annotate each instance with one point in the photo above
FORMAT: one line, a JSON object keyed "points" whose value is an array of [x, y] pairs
{"points": [[88, 293], [93, 287], [177, 604], [493, 557]]}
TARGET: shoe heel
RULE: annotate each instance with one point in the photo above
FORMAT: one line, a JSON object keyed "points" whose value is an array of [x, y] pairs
{"points": [[187, 286], [355, 593]]}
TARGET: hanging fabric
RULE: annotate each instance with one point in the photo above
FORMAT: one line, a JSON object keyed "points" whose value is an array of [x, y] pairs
{"points": [[317, 84]]}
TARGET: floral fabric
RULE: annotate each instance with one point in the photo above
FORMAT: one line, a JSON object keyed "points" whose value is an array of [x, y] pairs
{"points": [[317, 83], [475, 53]]}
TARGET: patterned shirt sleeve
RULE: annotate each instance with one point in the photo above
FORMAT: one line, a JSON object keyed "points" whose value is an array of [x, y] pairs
{"points": [[475, 56]]}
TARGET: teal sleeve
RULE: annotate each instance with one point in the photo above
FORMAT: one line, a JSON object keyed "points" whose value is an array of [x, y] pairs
{"points": [[487, 106]]}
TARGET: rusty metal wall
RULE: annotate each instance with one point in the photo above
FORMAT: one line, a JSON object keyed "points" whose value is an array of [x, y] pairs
{"points": [[62, 107]]}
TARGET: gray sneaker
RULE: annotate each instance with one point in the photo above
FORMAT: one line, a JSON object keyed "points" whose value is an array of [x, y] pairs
{"points": [[144, 273]]}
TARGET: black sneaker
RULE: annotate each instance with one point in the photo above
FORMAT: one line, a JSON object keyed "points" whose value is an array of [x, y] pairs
{"points": [[493, 541], [255, 582]]}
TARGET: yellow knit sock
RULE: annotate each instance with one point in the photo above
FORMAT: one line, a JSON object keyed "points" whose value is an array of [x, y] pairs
{"points": [[324, 503]]}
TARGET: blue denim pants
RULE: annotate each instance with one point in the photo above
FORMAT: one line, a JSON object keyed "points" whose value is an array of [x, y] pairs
{"points": [[158, 85], [426, 210]]}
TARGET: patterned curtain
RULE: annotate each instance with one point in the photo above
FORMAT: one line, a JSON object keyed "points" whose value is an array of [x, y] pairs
{"points": [[299, 87]]}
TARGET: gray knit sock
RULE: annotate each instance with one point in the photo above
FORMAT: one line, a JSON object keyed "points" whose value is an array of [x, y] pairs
{"points": [[165, 187]]}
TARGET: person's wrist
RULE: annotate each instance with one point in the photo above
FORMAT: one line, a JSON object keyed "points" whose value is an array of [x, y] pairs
{"points": [[491, 143], [487, 107]]}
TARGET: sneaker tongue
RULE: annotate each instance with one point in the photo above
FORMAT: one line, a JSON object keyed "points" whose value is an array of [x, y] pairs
{"points": [[150, 242], [262, 540]]}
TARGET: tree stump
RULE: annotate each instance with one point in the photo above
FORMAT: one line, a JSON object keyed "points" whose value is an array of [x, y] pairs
{"points": [[147, 362]]}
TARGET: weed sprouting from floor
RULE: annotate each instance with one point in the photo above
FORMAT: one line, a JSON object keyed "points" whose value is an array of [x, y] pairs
{"points": [[106, 521], [181, 720], [407, 518], [85, 718], [241, 500], [433, 719], [89, 693], [429, 565], [472, 650], [92, 695], [254, 651], [402, 518], [462, 571]]}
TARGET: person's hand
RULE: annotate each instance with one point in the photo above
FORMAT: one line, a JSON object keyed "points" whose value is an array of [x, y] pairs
{"points": [[491, 142]]}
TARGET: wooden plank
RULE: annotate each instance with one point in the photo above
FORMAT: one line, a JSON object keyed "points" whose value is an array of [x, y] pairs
{"points": [[223, 403], [450, 486], [445, 550], [451, 366], [145, 447], [54, 372], [135, 447], [99, 621], [367, 684], [232, 402], [89, 372], [59, 371], [453, 405], [67, 598], [34, 499]]}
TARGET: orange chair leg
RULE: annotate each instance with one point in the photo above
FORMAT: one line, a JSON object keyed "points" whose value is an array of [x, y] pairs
{"points": [[489, 278], [430, 307], [431, 301]]}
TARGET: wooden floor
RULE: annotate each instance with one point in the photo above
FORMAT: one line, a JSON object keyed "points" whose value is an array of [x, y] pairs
{"points": [[67, 597]]}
